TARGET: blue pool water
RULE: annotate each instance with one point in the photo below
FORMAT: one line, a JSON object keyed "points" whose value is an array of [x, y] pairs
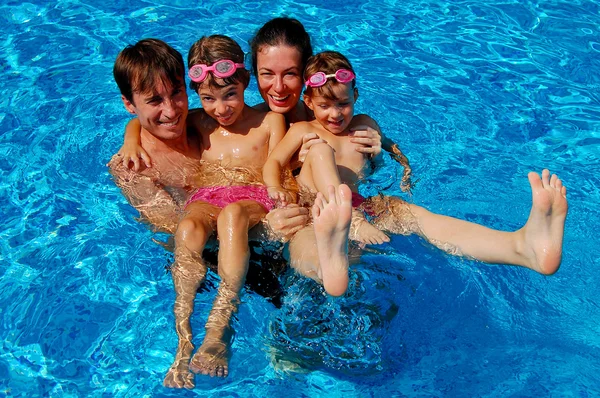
{"points": [[476, 95]]}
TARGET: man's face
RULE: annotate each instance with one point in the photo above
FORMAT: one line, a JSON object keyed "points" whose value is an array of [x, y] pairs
{"points": [[162, 111]]}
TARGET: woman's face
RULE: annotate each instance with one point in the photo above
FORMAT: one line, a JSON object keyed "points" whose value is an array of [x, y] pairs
{"points": [[280, 77]]}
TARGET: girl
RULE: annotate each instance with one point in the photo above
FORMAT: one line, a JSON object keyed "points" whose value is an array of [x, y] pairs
{"points": [[331, 93]]}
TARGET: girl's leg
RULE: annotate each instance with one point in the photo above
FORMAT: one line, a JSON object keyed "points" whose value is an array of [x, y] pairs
{"points": [[538, 245], [188, 272], [319, 172], [320, 251], [233, 224]]}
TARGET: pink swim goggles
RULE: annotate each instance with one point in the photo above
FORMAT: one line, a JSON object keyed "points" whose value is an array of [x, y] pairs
{"points": [[320, 78], [222, 69]]}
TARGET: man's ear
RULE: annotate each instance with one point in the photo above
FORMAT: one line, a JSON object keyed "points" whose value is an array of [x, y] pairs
{"points": [[308, 102], [355, 94], [128, 105]]}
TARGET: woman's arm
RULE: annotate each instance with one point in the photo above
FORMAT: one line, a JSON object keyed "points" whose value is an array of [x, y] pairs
{"points": [[368, 133]]}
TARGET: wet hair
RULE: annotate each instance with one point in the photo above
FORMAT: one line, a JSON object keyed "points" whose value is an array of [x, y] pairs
{"points": [[327, 62], [281, 31], [139, 67], [210, 49]]}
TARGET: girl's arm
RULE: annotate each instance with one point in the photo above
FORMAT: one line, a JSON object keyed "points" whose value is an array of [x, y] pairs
{"points": [[279, 158], [132, 151]]}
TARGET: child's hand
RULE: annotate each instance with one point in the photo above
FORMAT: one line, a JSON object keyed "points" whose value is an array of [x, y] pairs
{"points": [[369, 139], [280, 195], [132, 154], [307, 141]]}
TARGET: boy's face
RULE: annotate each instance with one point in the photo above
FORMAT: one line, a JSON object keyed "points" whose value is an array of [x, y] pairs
{"points": [[334, 115], [161, 112], [224, 104]]}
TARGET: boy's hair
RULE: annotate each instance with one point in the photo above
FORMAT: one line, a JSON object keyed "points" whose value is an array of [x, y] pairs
{"points": [[210, 49], [139, 67], [327, 62], [282, 31]]}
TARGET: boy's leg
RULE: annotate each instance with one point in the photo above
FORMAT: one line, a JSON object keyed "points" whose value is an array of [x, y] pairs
{"points": [[233, 224], [327, 264], [538, 245], [188, 272], [320, 171]]}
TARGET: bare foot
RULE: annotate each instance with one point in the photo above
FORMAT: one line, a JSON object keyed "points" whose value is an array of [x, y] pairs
{"points": [[363, 232], [332, 225], [211, 359], [543, 232], [179, 376]]}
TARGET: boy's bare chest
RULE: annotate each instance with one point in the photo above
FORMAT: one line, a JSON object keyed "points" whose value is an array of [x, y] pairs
{"points": [[249, 149], [346, 154]]}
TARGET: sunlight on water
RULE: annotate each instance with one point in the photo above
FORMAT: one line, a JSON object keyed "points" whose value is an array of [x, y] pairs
{"points": [[475, 94]]}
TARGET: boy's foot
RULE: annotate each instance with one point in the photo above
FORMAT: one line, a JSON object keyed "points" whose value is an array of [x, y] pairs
{"points": [[179, 376], [363, 232], [211, 359], [543, 232], [332, 225]]}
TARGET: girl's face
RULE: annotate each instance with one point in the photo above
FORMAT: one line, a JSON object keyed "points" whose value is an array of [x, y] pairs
{"points": [[334, 115], [224, 104], [280, 82]]}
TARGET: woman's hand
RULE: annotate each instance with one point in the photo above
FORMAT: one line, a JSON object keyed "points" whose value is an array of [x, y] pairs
{"points": [[132, 154], [307, 141], [284, 222], [368, 138]]}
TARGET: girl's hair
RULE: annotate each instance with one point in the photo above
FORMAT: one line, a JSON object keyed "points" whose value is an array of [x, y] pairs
{"points": [[139, 67], [281, 31], [327, 62], [210, 49]]}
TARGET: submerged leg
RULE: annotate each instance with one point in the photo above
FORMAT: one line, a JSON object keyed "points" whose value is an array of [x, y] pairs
{"points": [[188, 273], [233, 223]]}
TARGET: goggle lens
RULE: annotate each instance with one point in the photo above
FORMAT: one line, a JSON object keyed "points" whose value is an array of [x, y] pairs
{"points": [[320, 78]]}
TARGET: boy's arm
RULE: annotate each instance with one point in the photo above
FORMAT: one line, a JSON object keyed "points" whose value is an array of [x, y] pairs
{"points": [[132, 150], [153, 202]]}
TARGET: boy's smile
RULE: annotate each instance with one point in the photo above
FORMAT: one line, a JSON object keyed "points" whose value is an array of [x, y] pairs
{"points": [[334, 114], [223, 104]]}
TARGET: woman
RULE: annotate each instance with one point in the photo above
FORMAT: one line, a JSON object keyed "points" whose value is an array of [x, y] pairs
{"points": [[280, 49]]}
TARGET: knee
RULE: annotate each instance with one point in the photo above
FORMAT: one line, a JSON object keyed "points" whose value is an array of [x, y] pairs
{"points": [[233, 213], [319, 151], [192, 229]]}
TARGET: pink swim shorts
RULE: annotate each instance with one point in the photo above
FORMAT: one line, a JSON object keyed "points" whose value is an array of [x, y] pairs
{"points": [[222, 196]]}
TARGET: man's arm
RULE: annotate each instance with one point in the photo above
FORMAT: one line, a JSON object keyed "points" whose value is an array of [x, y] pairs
{"points": [[153, 202]]}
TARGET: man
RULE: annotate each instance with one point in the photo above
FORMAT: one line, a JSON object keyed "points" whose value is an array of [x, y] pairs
{"points": [[151, 78]]}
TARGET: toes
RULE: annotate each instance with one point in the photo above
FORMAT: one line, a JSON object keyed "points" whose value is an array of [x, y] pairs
{"points": [[563, 191], [553, 180], [345, 194], [545, 177], [331, 194], [558, 184]]}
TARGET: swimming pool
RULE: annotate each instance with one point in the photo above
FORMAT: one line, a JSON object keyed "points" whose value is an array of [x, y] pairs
{"points": [[475, 94]]}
